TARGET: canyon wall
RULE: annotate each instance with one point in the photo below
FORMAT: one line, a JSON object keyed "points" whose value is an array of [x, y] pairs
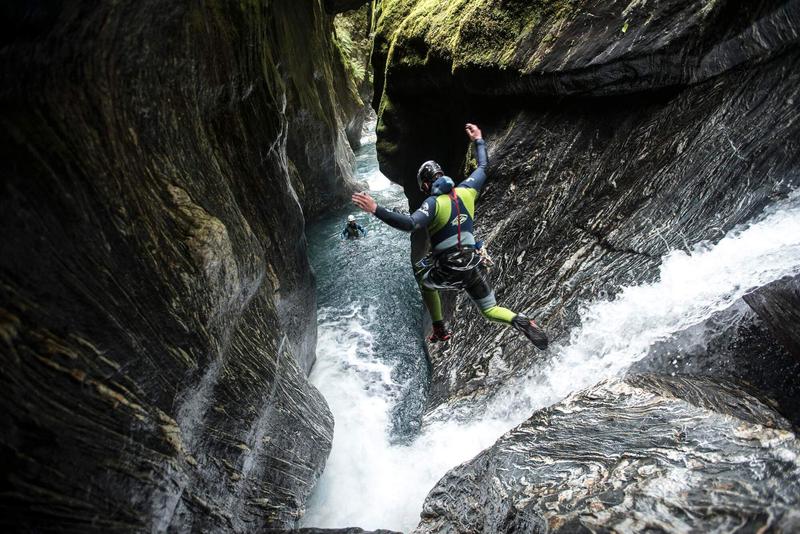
{"points": [[684, 472], [158, 313]]}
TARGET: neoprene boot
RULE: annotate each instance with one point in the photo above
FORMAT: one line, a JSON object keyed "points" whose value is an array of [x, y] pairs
{"points": [[440, 332], [532, 331]]}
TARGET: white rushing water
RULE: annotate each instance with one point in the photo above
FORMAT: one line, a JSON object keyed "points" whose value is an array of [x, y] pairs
{"points": [[371, 482], [691, 287], [368, 481]]}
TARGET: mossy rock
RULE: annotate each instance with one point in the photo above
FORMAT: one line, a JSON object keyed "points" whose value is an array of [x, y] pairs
{"points": [[474, 34]]}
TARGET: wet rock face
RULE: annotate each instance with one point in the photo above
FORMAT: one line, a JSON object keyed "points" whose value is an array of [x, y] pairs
{"points": [[157, 313], [640, 454], [353, 530], [322, 100], [778, 305], [735, 345], [614, 134]]}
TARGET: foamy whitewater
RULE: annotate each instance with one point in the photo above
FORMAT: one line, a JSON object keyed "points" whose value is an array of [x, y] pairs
{"points": [[372, 483]]}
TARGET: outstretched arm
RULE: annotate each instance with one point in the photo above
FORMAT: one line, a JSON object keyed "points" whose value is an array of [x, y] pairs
{"points": [[401, 221], [478, 176]]}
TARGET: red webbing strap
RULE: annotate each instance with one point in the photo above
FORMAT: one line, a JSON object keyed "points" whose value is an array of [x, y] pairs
{"points": [[454, 196]]}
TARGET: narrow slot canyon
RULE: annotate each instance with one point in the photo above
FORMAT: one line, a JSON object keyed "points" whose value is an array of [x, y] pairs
{"points": [[191, 341]]}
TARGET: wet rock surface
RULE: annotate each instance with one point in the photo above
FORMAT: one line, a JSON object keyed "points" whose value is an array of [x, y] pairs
{"points": [[778, 305], [735, 345], [157, 309], [647, 453], [322, 99], [615, 134], [354, 530]]}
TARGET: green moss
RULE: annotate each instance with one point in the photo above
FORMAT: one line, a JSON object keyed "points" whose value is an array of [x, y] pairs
{"points": [[471, 162], [386, 108], [473, 32], [352, 37], [347, 52], [386, 148]]}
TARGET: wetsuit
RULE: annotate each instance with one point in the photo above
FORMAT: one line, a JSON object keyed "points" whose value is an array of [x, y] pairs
{"points": [[353, 231], [453, 262]]}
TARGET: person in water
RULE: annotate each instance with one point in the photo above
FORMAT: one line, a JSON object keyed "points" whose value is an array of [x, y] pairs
{"points": [[353, 230], [453, 264]]}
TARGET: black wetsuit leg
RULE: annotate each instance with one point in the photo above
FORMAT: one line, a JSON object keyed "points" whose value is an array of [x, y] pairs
{"points": [[476, 283]]}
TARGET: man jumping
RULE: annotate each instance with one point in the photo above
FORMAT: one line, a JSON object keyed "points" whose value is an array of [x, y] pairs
{"points": [[453, 264]]}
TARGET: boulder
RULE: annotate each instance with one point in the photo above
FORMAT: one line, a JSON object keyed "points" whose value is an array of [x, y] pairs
{"points": [[351, 530], [778, 305], [647, 453], [734, 345]]}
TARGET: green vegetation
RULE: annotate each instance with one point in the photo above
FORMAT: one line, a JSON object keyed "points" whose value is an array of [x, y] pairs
{"points": [[353, 39], [506, 34]]}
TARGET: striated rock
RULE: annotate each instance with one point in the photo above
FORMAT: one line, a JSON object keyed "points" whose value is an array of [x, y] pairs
{"points": [[353, 530], [615, 134], [778, 305], [662, 454], [322, 99], [736, 346], [571, 48], [157, 309]]}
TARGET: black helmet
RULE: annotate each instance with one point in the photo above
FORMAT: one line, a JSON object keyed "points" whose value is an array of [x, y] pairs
{"points": [[427, 173]]}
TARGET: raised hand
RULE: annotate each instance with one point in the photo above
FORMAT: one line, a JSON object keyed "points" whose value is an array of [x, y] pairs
{"points": [[473, 132], [365, 202]]}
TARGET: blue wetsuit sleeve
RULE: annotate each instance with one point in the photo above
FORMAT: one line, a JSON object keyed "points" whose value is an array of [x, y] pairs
{"points": [[408, 223], [478, 176]]}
